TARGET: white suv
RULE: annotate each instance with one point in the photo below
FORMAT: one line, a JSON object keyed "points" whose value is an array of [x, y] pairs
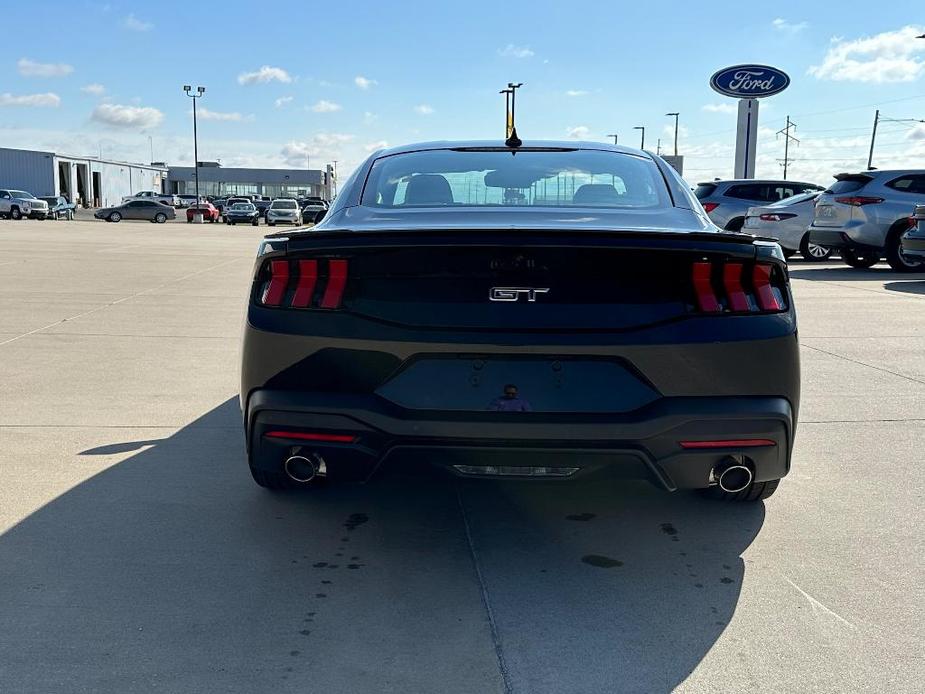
{"points": [[284, 211], [17, 204]]}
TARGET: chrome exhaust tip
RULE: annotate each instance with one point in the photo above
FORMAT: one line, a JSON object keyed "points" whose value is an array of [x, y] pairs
{"points": [[301, 469], [733, 478]]}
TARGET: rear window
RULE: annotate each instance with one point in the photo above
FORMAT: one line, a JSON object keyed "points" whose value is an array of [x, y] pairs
{"points": [[284, 205], [525, 177], [795, 199], [848, 185], [704, 190]]}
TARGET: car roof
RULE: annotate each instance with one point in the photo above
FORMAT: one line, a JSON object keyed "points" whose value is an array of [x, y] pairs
{"points": [[754, 180], [527, 144]]}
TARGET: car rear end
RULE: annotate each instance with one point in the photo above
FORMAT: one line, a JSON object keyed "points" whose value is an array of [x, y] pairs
{"points": [[785, 221], [848, 215], [913, 241], [710, 195]]}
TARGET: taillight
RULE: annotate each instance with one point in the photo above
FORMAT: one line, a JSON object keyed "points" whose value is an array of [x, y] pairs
{"points": [[776, 217], [708, 207], [858, 200], [736, 287], [316, 283]]}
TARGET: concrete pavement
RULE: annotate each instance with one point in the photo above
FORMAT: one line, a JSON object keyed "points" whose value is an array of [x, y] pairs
{"points": [[136, 555]]}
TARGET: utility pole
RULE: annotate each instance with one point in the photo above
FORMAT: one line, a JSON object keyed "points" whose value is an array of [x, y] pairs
{"points": [[642, 144], [873, 137], [615, 137], [658, 147], [334, 187], [151, 143], [787, 138], [676, 117], [197, 215]]}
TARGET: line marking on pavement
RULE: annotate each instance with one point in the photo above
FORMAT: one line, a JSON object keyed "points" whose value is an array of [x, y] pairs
{"points": [[483, 591], [853, 361], [125, 298], [815, 603]]}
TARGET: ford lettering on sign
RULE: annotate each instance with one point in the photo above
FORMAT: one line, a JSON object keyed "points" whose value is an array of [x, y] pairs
{"points": [[749, 81]]}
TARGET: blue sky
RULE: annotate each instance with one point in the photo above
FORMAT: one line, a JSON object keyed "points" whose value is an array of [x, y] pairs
{"points": [[334, 83]]}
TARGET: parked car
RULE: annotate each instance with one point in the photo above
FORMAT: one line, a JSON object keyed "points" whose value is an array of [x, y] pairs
{"points": [[242, 213], [787, 221], [59, 207], [728, 201], [262, 203], [151, 210], [16, 204], [165, 198], [284, 211], [592, 332], [209, 212], [913, 241], [313, 212], [864, 215], [228, 202]]}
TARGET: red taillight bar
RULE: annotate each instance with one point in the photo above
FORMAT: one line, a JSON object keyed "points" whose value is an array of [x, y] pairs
{"points": [[311, 436], [305, 289], [858, 200], [708, 207], [732, 283], [279, 279], [761, 278], [703, 287], [337, 279], [730, 443]]}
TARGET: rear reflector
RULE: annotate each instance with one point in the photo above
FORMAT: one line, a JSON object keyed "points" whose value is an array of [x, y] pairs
{"points": [[730, 443], [276, 287], [514, 471], [311, 436], [337, 279]]}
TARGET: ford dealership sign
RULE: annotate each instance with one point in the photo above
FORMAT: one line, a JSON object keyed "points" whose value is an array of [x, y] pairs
{"points": [[749, 81]]}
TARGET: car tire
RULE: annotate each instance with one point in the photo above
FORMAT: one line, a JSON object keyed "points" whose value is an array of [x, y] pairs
{"points": [[160, 218], [862, 260], [735, 224], [15, 213], [114, 217], [894, 256], [756, 491], [813, 253]]}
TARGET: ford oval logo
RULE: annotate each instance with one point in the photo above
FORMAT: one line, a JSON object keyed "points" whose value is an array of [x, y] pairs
{"points": [[749, 81]]}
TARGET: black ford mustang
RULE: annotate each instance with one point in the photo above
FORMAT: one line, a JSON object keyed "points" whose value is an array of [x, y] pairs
{"points": [[553, 310]]}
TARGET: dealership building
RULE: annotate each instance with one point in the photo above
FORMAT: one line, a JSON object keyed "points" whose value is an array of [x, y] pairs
{"points": [[97, 182]]}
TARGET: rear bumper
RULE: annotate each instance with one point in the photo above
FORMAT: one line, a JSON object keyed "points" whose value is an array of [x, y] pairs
{"points": [[914, 244], [863, 237], [644, 444]]}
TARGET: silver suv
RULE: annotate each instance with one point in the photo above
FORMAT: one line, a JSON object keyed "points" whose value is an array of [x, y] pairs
{"points": [[865, 215], [726, 202]]}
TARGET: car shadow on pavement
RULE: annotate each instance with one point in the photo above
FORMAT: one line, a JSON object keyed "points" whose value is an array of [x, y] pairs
{"points": [[172, 571], [913, 287], [844, 273]]}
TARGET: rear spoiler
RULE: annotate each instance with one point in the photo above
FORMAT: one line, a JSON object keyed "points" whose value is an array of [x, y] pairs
{"points": [[853, 177]]}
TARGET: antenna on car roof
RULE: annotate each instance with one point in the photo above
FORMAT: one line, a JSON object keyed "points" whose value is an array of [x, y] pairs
{"points": [[510, 130], [513, 140]]}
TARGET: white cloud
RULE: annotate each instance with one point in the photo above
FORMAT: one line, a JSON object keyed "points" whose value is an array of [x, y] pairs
{"points": [[324, 106], [206, 114], [791, 27], [132, 23], [512, 51], [369, 117], [94, 89], [30, 68], [719, 108], [424, 109], [579, 132], [141, 117], [265, 74], [917, 133], [47, 99], [576, 92], [324, 146], [364, 82], [373, 146], [282, 101], [892, 56]]}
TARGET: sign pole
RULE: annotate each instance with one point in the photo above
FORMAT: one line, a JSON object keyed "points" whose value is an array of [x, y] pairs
{"points": [[746, 139]]}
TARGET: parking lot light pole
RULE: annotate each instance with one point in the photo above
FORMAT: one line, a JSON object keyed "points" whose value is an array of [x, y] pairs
{"points": [[197, 214], [615, 137], [642, 144], [676, 116]]}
